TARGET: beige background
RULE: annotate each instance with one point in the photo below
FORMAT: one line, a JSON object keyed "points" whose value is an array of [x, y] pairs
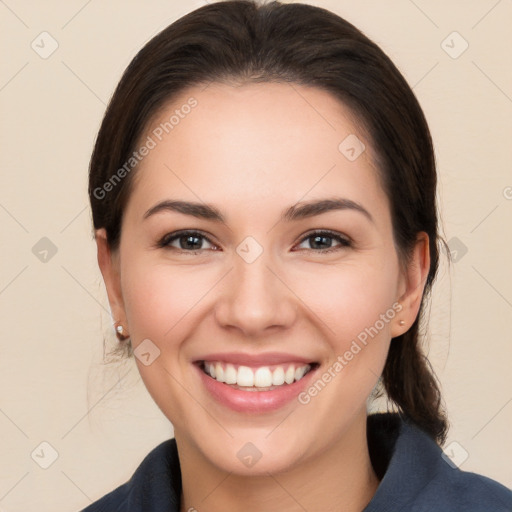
{"points": [[100, 419]]}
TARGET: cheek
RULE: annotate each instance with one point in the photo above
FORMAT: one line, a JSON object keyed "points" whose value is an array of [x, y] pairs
{"points": [[162, 304], [356, 306], [159, 297], [350, 298]]}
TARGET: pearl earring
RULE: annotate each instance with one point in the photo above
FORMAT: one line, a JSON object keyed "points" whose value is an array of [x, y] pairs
{"points": [[120, 332], [402, 322]]}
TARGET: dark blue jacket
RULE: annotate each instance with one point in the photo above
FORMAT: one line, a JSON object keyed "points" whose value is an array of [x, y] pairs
{"points": [[414, 474]]}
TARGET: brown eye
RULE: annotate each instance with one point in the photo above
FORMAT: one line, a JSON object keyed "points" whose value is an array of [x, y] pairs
{"points": [[185, 241], [321, 241]]}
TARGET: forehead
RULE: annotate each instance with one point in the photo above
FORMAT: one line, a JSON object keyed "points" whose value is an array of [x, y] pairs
{"points": [[256, 143], [266, 116]]}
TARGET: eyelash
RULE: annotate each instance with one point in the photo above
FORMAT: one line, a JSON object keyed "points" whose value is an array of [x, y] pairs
{"points": [[171, 237]]}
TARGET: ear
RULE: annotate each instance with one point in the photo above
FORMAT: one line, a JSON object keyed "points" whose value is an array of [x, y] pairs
{"points": [[412, 285], [109, 266]]}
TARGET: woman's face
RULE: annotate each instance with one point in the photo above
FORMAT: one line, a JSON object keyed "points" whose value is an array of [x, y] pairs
{"points": [[257, 291]]}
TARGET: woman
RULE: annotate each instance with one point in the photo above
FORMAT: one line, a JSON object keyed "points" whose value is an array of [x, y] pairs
{"points": [[263, 195]]}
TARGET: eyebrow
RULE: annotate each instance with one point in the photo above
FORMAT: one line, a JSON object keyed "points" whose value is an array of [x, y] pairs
{"points": [[295, 212]]}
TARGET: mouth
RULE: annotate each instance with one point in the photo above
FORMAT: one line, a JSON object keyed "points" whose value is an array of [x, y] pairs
{"points": [[256, 378]]}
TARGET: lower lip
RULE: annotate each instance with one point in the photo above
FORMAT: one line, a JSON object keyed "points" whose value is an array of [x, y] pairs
{"points": [[254, 401]]}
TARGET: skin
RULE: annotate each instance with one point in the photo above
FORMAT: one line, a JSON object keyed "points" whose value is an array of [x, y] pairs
{"points": [[253, 151]]}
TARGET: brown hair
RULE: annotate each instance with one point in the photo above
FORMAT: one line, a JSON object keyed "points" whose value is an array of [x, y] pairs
{"points": [[242, 41]]}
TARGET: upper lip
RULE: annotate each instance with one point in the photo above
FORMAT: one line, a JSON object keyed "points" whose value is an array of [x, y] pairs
{"points": [[241, 358]]}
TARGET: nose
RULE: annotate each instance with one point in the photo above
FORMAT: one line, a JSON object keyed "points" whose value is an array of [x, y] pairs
{"points": [[255, 299]]}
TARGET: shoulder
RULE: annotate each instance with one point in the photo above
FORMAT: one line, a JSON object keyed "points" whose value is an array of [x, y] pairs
{"points": [[416, 475], [463, 490], [154, 486]]}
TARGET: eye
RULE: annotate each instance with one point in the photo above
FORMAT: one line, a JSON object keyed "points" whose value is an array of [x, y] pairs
{"points": [[192, 241], [323, 238], [186, 241]]}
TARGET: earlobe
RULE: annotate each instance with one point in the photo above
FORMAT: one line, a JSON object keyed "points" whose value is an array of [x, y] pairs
{"points": [[109, 266], [414, 279]]}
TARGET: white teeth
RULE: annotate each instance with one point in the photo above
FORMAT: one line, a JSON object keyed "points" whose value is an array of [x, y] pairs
{"points": [[245, 376], [230, 374], [278, 376], [289, 376], [299, 372], [219, 372], [262, 377]]}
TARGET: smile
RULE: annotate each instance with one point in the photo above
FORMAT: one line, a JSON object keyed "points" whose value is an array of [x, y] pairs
{"points": [[262, 378], [258, 388]]}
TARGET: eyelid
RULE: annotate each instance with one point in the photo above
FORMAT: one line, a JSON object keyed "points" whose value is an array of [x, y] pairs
{"points": [[344, 240], [166, 240]]}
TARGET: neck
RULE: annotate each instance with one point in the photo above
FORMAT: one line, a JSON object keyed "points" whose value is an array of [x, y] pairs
{"points": [[339, 478]]}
